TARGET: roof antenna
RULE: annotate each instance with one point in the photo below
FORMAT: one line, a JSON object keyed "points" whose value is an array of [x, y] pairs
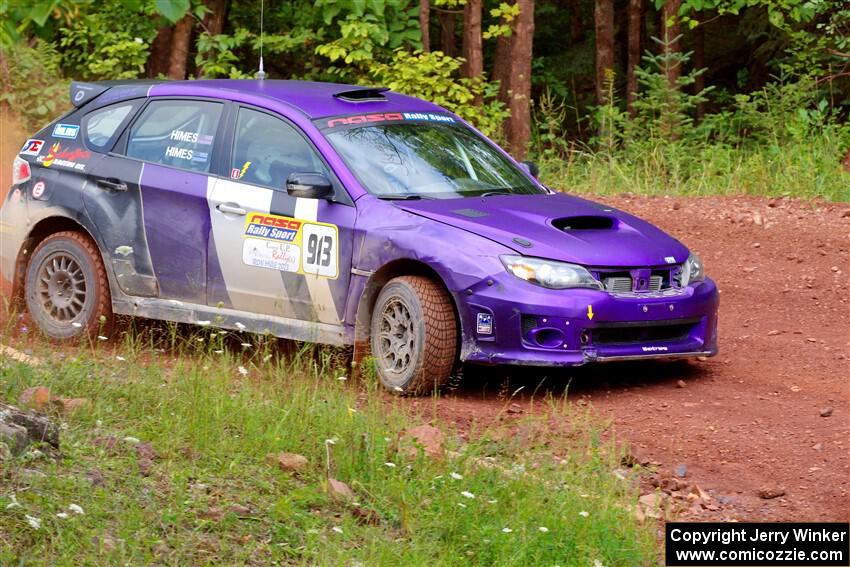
{"points": [[261, 74]]}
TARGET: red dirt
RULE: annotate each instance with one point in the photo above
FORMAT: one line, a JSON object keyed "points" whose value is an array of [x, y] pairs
{"points": [[749, 417]]}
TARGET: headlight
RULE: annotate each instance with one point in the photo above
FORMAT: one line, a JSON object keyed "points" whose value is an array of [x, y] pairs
{"points": [[692, 270], [546, 273]]}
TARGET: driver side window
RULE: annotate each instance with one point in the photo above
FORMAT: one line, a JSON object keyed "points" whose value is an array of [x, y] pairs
{"points": [[266, 150]]}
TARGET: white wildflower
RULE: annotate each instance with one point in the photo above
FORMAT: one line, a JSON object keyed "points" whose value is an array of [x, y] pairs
{"points": [[102, 338], [14, 502], [240, 326], [342, 378], [33, 521], [219, 351], [129, 439], [77, 509], [330, 441], [391, 465], [398, 389], [456, 476], [461, 504], [242, 370], [246, 345], [467, 494], [597, 563], [337, 529], [62, 515], [584, 514], [267, 358], [202, 323], [543, 529], [507, 530], [120, 358], [200, 339], [492, 501], [138, 40]]}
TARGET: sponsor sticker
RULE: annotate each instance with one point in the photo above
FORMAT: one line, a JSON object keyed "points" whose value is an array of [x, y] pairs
{"points": [[670, 259], [387, 117], [68, 131], [272, 255], [65, 158], [32, 147], [38, 190], [237, 173], [299, 246], [654, 349], [485, 324]]}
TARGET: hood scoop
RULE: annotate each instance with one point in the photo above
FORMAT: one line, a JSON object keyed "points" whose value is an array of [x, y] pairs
{"points": [[570, 224]]}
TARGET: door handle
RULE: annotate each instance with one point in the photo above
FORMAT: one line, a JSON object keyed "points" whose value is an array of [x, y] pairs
{"points": [[232, 209], [111, 184]]}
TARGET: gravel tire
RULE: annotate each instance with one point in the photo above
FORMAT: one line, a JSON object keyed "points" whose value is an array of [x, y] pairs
{"points": [[414, 335], [67, 291]]}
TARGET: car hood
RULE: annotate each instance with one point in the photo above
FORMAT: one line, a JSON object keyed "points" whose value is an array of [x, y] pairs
{"points": [[558, 227]]}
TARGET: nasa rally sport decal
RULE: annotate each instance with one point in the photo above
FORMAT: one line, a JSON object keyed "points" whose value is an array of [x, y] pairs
{"points": [[291, 245]]}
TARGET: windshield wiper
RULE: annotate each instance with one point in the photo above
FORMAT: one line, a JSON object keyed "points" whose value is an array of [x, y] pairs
{"points": [[401, 197], [494, 193]]}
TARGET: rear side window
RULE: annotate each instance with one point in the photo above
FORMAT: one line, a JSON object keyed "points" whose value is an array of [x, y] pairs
{"points": [[177, 133], [102, 125]]}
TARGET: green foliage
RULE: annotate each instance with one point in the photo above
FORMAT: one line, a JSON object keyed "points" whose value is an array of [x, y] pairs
{"points": [[94, 48], [32, 83], [367, 27], [506, 13], [216, 57], [173, 10], [435, 77]]}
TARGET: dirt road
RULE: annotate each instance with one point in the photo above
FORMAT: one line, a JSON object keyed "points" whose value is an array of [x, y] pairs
{"points": [[750, 417]]}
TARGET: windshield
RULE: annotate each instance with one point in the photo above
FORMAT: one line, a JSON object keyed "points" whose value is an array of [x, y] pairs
{"points": [[426, 160]]}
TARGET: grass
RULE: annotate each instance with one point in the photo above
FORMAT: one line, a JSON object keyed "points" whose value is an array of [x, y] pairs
{"points": [[806, 169], [543, 497]]}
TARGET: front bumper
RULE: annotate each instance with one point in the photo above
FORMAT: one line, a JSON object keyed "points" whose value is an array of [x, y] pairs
{"points": [[532, 325]]}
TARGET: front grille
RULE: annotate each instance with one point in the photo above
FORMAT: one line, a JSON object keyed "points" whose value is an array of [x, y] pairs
{"points": [[643, 332], [625, 284]]}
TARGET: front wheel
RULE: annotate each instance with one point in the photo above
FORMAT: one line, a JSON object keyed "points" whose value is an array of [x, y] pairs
{"points": [[67, 291], [414, 335]]}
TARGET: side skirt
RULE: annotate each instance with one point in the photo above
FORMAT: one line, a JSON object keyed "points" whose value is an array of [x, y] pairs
{"points": [[193, 314]]}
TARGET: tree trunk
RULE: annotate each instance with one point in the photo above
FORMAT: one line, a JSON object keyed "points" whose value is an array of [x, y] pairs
{"points": [[160, 52], [635, 17], [425, 24], [672, 43], [213, 24], [472, 43], [215, 17], [576, 27], [519, 125], [699, 64], [447, 33], [180, 39], [603, 16], [502, 66]]}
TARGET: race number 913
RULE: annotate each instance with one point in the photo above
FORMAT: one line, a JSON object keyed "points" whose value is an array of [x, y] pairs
{"points": [[320, 250]]}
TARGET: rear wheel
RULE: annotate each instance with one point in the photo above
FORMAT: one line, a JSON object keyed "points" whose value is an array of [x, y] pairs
{"points": [[67, 291], [414, 335]]}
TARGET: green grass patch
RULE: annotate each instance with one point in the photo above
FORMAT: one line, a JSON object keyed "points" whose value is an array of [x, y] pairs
{"points": [[806, 169], [545, 497]]}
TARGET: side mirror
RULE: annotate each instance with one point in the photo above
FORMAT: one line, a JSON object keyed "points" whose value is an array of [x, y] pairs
{"points": [[532, 168], [309, 185]]}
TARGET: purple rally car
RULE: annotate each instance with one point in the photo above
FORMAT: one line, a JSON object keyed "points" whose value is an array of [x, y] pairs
{"points": [[334, 214]]}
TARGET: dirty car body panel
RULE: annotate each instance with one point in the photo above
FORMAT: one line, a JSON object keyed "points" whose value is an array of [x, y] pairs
{"points": [[182, 186]]}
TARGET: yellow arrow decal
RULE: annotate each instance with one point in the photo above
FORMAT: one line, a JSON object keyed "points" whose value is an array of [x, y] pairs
{"points": [[590, 312]]}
